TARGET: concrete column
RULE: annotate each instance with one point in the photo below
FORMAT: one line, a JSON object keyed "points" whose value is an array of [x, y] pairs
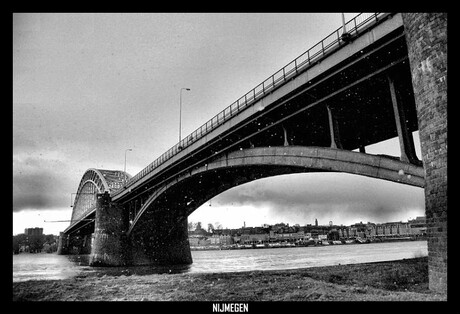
{"points": [[426, 37], [333, 130], [406, 141], [109, 244], [286, 143]]}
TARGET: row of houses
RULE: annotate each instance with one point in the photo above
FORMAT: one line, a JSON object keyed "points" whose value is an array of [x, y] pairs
{"points": [[283, 233]]}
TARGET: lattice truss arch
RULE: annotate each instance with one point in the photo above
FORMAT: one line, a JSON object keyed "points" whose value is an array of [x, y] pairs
{"points": [[91, 183], [95, 181]]}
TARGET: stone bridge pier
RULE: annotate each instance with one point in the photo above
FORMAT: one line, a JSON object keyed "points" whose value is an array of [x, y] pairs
{"points": [[74, 243], [426, 37], [162, 239], [110, 243]]}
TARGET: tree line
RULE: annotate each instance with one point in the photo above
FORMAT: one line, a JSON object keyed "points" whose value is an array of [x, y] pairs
{"points": [[197, 226], [34, 243]]}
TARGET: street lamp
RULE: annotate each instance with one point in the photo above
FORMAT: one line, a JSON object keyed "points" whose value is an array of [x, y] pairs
{"points": [[124, 169], [343, 23], [345, 35], [180, 110]]}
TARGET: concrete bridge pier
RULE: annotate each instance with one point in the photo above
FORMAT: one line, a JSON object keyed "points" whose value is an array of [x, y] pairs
{"points": [[162, 240], [74, 244], [63, 248], [426, 37], [109, 244]]}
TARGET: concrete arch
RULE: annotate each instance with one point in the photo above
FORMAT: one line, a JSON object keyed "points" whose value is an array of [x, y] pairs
{"points": [[243, 166]]}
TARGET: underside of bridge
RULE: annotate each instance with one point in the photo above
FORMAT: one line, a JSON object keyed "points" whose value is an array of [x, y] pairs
{"points": [[318, 126], [366, 99], [162, 218]]}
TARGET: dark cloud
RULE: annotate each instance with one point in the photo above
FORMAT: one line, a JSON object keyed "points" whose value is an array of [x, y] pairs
{"points": [[40, 183]]}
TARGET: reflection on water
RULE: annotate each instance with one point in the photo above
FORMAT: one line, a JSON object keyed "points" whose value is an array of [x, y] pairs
{"points": [[28, 266], [83, 262], [52, 266], [45, 266]]}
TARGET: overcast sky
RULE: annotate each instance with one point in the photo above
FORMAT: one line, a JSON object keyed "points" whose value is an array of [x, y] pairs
{"points": [[88, 86]]}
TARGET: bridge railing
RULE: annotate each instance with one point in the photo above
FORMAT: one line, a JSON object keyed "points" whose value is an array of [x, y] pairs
{"points": [[326, 46]]}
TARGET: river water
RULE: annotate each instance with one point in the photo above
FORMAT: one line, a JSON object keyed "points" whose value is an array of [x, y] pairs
{"points": [[45, 266]]}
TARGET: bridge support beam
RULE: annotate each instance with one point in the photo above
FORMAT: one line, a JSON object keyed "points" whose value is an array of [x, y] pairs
{"points": [[286, 142], [333, 129], [109, 246], [426, 37], [162, 240], [406, 141]]}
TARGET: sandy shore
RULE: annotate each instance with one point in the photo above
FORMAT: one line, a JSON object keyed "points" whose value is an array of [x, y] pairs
{"points": [[405, 280]]}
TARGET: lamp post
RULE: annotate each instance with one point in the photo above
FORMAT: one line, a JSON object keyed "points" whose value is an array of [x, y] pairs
{"points": [[124, 169], [180, 111], [345, 35], [71, 201], [343, 23]]}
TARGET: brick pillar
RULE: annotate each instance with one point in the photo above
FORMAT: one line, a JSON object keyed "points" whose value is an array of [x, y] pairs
{"points": [[426, 37], [109, 243]]}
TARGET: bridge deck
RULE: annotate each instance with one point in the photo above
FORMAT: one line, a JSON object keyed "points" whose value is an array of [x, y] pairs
{"points": [[331, 51]]}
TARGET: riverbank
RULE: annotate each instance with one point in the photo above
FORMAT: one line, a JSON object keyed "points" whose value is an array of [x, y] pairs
{"points": [[404, 280], [315, 243]]}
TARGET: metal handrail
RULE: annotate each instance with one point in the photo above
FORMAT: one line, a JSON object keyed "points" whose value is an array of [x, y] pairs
{"points": [[292, 69]]}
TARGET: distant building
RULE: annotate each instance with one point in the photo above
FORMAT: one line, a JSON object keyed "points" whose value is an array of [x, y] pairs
{"points": [[254, 238], [282, 232], [33, 231], [221, 239], [197, 237], [418, 226], [418, 222], [352, 232]]}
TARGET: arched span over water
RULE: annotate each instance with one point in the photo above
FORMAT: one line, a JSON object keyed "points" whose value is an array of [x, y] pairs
{"points": [[191, 189]]}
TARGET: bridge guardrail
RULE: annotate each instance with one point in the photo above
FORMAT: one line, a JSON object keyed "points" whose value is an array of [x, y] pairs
{"points": [[320, 50]]}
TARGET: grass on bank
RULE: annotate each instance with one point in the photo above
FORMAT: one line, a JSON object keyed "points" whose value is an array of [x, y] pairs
{"points": [[404, 280]]}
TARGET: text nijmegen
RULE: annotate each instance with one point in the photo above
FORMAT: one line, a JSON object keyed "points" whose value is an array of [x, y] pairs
{"points": [[230, 307]]}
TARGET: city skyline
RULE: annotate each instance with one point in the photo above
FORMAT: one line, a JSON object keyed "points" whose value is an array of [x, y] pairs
{"points": [[223, 227], [329, 223]]}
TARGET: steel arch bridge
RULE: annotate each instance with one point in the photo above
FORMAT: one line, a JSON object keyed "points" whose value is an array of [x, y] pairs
{"points": [[314, 114]]}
